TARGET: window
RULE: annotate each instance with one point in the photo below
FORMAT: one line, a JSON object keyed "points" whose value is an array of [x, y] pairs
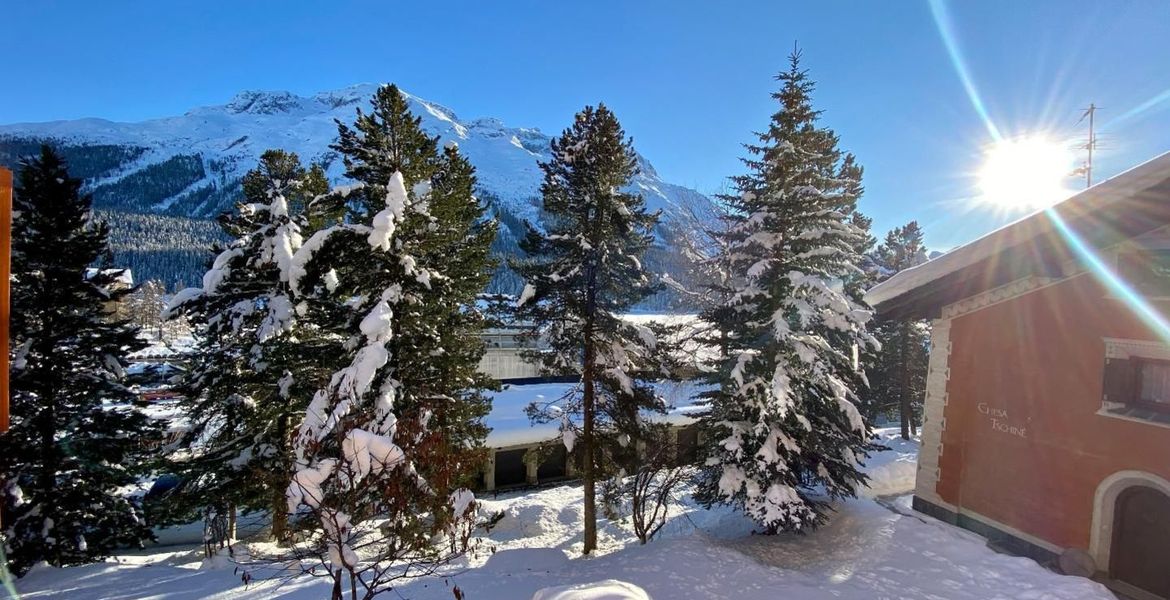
{"points": [[1153, 384], [1136, 381]]}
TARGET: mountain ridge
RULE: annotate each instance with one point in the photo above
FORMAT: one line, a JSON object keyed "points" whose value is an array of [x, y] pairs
{"points": [[191, 165]]}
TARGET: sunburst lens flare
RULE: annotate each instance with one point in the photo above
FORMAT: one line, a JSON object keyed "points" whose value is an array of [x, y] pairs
{"points": [[1027, 173]]}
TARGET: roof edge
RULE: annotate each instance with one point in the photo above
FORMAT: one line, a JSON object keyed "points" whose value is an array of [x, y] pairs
{"points": [[908, 281]]}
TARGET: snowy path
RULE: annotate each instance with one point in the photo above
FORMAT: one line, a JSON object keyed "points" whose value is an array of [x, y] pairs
{"points": [[866, 551]]}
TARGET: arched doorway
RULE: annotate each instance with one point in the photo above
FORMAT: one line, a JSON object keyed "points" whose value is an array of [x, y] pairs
{"points": [[1140, 550]]}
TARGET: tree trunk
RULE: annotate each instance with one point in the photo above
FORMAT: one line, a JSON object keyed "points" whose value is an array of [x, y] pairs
{"points": [[587, 405], [905, 409], [587, 450], [279, 517], [47, 478], [279, 499], [337, 586], [231, 532]]}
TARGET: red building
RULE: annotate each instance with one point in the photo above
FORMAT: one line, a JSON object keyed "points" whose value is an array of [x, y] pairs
{"points": [[1047, 410]]}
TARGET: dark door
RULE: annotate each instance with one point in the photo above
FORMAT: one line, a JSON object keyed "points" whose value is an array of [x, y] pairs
{"points": [[510, 468], [688, 445], [553, 466], [1140, 555]]}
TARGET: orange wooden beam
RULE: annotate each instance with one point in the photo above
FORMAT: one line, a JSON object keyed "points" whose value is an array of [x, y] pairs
{"points": [[5, 277]]}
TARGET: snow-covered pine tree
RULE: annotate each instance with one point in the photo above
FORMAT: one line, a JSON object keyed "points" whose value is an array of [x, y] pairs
{"points": [[256, 363], [390, 444], [785, 434], [78, 436], [582, 273], [439, 330], [898, 375]]}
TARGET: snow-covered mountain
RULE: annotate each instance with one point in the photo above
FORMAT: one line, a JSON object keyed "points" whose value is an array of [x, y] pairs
{"points": [[190, 166]]}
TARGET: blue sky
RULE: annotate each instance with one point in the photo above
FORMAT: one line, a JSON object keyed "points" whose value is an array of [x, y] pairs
{"points": [[689, 79]]}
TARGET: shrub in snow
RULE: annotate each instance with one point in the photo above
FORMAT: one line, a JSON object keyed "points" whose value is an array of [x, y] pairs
{"points": [[391, 440], [784, 434], [581, 274], [258, 358], [651, 487], [77, 435]]}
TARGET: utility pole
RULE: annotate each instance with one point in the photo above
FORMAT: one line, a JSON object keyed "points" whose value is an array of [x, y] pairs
{"points": [[1089, 113]]}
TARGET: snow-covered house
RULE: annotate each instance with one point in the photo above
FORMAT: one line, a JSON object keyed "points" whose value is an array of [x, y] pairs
{"points": [[524, 453], [1047, 410], [123, 278]]}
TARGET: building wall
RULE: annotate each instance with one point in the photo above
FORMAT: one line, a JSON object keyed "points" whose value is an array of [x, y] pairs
{"points": [[507, 363], [1021, 445]]}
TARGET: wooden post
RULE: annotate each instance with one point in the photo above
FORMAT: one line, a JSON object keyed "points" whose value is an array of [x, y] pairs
{"points": [[489, 474], [531, 464], [5, 270], [570, 466]]}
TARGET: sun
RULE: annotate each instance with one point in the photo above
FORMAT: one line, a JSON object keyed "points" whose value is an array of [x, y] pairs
{"points": [[1025, 173]]}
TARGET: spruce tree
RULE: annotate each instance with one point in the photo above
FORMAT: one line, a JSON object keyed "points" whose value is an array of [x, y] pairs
{"points": [[390, 444], [78, 436], [898, 375], [783, 422], [449, 236], [257, 360], [582, 272]]}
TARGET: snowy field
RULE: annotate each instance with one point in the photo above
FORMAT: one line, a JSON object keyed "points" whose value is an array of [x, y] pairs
{"points": [[868, 550]]}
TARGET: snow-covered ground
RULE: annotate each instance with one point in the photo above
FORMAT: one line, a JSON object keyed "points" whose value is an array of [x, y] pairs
{"points": [[867, 550]]}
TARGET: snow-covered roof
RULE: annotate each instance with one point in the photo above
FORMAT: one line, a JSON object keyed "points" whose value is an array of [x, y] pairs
{"points": [[1085, 212], [512, 427], [159, 349], [155, 351], [122, 276]]}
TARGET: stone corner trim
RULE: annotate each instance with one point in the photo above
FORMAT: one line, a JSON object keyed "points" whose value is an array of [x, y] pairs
{"points": [[933, 421]]}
